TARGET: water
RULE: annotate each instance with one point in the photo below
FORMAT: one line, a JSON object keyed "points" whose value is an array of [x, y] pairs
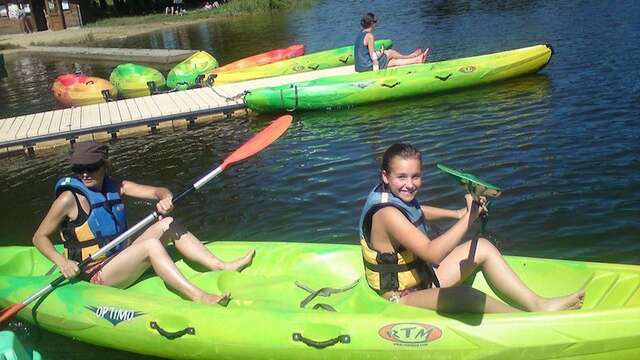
{"points": [[563, 144]]}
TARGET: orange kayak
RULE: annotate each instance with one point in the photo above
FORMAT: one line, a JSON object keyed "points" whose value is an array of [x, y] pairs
{"points": [[79, 89], [264, 58]]}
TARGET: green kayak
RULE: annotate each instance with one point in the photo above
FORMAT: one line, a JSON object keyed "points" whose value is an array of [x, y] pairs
{"points": [[133, 80], [274, 314], [12, 349], [400, 82], [183, 76], [315, 61]]}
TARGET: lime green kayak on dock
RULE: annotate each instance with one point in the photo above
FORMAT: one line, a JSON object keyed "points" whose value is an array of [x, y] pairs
{"points": [[274, 315], [133, 80], [315, 61], [184, 75], [346, 91]]}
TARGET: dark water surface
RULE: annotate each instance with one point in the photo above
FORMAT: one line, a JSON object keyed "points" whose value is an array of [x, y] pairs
{"points": [[564, 144]]}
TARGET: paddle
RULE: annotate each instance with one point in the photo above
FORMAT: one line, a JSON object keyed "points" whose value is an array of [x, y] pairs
{"points": [[476, 187], [257, 143]]}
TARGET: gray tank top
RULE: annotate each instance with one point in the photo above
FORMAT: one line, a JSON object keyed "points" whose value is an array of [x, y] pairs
{"points": [[361, 56]]}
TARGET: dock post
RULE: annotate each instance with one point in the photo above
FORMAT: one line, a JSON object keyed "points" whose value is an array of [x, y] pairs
{"points": [[192, 122], [30, 151]]}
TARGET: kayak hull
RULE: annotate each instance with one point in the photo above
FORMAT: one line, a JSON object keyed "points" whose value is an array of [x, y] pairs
{"points": [[264, 58], [133, 80], [316, 61], [399, 82], [78, 90], [184, 75], [265, 319]]}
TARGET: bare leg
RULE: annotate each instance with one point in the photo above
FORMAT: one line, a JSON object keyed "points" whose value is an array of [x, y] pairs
{"points": [[147, 251], [400, 62], [392, 54], [465, 258], [455, 300], [191, 248]]}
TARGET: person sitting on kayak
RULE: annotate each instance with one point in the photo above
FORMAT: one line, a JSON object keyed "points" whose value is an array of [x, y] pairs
{"points": [[367, 58], [408, 264], [88, 211]]}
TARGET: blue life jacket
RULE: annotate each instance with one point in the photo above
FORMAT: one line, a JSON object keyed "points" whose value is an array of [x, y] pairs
{"points": [[399, 270], [105, 220]]}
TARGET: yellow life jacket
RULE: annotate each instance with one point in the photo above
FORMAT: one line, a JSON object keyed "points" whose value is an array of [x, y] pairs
{"points": [[399, 270]]}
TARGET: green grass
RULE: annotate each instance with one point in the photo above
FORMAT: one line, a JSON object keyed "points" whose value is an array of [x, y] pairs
{"points": [[9, 46], [232, 8]]}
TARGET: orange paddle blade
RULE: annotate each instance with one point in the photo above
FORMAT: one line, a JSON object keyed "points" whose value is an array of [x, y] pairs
{"points": [[260, 141], [8, 313]]}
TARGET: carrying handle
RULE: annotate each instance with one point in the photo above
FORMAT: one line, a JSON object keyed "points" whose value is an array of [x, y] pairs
{"points": [[172, 335], [344, 339]]}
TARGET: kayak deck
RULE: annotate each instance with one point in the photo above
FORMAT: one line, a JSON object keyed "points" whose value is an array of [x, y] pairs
{"points": [[608, 286], [264, 318]]}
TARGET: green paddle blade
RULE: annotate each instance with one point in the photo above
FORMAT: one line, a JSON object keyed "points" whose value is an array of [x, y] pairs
{"points": [[475, 186]]}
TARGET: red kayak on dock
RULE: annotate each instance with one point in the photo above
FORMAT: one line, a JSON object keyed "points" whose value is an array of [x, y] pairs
{"points": [[80, 89], [264, 58]]}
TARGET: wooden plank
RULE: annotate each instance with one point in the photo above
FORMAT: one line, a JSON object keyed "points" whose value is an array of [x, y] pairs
{"points": [[5, 125], [165, 104], [90, 116], [54, 127], [189, 100], [65, 122], [76, 118], [104, 114], [146, 110], [35, 125], [24, 126], [133, 109], [214, 99], [15, 127], [200, 98], [179, 102], [124, 110], [114, 114], [43, 129]]}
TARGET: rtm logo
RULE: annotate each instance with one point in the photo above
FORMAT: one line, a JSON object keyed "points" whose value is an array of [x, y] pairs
{"points": [[114, 315], [411, 334]]}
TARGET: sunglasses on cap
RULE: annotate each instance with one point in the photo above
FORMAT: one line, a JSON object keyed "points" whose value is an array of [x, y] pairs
{"points": [[86, 168]]}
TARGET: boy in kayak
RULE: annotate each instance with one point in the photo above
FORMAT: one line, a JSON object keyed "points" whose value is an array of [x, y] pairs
{"points": [[367, 58], [88, 212], [405, 263]]}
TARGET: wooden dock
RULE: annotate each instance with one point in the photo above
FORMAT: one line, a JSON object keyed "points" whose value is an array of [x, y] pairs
{"points": [[145, 56], [26, 131]]}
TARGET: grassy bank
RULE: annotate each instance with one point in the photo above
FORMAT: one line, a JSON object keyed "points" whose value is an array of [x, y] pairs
{"points": [[231, 8]]}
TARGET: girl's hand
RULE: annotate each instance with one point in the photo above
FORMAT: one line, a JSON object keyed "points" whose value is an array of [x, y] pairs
{"points": [[165, 205], [474, 208], [68, 268]]}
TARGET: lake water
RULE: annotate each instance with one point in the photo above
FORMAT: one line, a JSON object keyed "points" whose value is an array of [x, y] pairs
{"points": [[564, 144]]}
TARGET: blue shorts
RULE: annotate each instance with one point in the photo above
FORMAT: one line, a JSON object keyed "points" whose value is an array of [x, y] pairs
{"points": [[383, 61]]}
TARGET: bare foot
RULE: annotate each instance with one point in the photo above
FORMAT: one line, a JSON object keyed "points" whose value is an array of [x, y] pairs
{"points": [[569, 302], [417, 52], [214, 299], [240, 263], [424, 56]]}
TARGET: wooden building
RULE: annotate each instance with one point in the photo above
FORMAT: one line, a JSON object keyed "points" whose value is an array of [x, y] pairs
{"points": [[40, 15]]}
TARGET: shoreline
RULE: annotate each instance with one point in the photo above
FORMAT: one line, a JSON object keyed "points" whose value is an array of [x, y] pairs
{"points": [[88, 34]]}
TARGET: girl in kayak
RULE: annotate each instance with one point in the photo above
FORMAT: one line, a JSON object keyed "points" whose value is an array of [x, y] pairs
{"points": [[406, 263], [88, 212], [367, 58]]}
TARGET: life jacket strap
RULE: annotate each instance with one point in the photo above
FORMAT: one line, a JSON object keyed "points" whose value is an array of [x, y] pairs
{"points": [[391, 268]]}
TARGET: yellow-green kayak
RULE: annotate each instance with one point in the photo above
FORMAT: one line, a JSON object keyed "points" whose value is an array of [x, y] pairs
{"points": [[315, 61], [274, 315], [346, 91], [184, 75]]}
